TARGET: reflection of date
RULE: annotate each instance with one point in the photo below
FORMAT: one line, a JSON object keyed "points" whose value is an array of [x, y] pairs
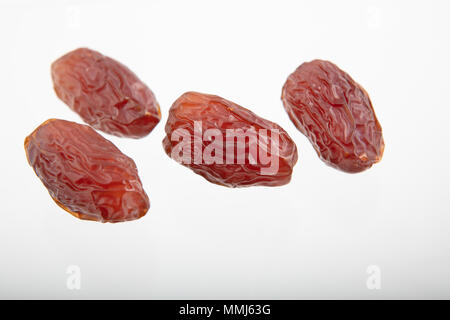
{"points": [[232, 309]]}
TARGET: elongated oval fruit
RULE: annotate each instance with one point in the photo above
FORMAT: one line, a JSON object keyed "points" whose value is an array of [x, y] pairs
{"points": [[228, 144], [105, 93], [84, 173], [336, 114]]}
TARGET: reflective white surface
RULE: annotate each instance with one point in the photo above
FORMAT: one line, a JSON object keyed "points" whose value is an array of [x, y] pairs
{"points": [[314, 238]]}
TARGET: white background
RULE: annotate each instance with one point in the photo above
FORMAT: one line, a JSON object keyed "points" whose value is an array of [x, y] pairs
{"points": [[313, 238]]}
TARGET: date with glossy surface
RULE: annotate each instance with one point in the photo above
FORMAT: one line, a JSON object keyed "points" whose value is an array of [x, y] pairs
{"points": [[336, 114], [84, 173], [105, 93], [243, 142]]}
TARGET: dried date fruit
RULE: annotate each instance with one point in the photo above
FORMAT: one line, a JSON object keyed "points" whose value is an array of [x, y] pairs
{"points": [[84, 173], [105, 93], [336, 114], [228, 144]]}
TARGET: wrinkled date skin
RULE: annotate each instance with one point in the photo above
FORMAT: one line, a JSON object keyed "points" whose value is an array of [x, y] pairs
{"points": [[336, 114], [219, 115], [86, 174], [105, 93]]}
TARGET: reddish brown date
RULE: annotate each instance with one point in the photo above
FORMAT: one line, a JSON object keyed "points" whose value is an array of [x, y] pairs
{"points": [[84, 173], [105, 93], [228, 144], [336, 114]]}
